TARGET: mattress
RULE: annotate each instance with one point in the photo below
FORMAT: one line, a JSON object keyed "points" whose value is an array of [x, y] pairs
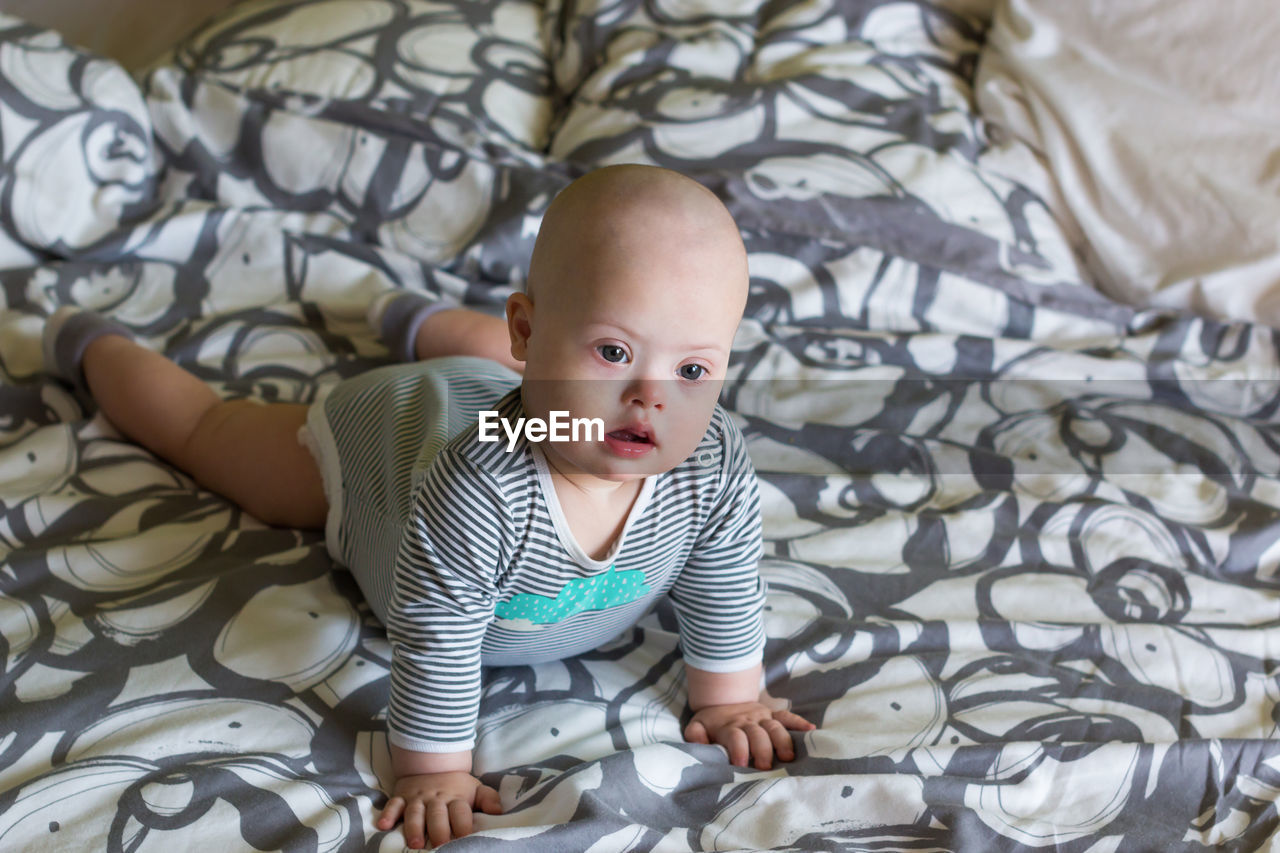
{"points": [[1022, 541]]}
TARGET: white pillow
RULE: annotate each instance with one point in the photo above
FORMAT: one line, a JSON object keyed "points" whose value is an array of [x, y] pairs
{"points": [[1159, 122]]}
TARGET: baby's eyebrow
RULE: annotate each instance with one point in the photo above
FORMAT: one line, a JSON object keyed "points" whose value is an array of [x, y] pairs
{"points": [[626, 333], [613, 327]]}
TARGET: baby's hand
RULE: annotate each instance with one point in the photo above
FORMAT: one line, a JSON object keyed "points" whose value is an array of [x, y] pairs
{"points": [[439, 802], [748, 730]]}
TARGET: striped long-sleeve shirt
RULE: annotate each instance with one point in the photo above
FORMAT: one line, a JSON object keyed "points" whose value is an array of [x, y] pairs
{"points": [[488, 572]]}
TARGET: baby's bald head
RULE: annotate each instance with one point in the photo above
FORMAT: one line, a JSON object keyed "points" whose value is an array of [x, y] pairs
{"points": [[636, 286], [626, 219]]}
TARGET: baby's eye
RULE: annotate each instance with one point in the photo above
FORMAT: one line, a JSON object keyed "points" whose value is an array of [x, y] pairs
{"points": [[612, 353], [692, 372]]}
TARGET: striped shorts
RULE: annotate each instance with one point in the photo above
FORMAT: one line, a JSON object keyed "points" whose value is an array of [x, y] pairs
{"points": [[373, 436]]}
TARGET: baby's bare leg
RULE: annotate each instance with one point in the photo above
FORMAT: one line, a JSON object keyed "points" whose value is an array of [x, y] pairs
{"points": [[462, 331], [418, 326], [247, 452]]}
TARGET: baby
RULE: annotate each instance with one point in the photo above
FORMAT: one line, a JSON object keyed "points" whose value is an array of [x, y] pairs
{"points": [[500, 549]]}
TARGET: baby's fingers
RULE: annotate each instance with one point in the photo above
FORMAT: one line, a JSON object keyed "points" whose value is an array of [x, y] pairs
{"points": [[761, 746], [781, 739], [795, 722], [415, 824], [391, 813], [736, 744], [488, 800], [460, 818], [696, 732], [439, 823]]}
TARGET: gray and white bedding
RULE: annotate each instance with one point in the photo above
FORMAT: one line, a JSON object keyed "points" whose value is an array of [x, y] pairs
{"points": [[1022, 542]]}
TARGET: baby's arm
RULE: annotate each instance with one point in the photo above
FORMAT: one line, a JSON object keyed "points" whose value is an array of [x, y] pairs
{"points": [[435, 793], [719, 601], [436, 622], [727, 711]]}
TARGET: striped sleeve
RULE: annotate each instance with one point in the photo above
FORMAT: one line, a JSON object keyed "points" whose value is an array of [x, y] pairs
{"points": [[449, 557], [719, 595]]}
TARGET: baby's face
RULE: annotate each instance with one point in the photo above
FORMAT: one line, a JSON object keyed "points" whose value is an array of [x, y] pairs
{"points": [[636, 331]]}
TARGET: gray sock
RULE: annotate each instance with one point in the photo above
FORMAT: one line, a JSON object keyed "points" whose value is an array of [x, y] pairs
{"points": [[400, 318], [67, 334]]}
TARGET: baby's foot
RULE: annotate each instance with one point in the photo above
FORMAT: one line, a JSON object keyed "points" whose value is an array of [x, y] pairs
{"points": [[398, 314], [67, 334]]}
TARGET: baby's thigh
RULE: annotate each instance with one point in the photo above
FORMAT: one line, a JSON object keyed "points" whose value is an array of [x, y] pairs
{"points": [[249, 452]]}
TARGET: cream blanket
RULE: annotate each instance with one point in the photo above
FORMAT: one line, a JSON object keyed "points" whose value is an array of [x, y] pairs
{"points": [[1159, 124]]}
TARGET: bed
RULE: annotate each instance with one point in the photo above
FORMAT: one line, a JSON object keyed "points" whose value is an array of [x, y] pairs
{"points": [[1022, 539]]}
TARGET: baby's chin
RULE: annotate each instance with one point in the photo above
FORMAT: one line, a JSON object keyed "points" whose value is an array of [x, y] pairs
{"points": [[612, 470], [621, 478]]}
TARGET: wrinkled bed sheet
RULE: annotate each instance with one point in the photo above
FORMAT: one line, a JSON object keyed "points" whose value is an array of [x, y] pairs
{"points": [[1022, 542]]}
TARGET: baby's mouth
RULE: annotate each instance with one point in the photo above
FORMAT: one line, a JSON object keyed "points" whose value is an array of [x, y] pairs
{"points": [[631, 436]]}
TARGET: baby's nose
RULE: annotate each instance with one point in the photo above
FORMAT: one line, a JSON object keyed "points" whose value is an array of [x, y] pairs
{"points": [[646, 393]]}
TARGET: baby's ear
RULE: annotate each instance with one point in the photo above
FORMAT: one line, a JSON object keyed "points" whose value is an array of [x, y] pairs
{"points": [[519, 323]]}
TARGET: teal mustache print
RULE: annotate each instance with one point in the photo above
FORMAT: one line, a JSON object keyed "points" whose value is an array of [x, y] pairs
{"points": [[599, 592]]}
